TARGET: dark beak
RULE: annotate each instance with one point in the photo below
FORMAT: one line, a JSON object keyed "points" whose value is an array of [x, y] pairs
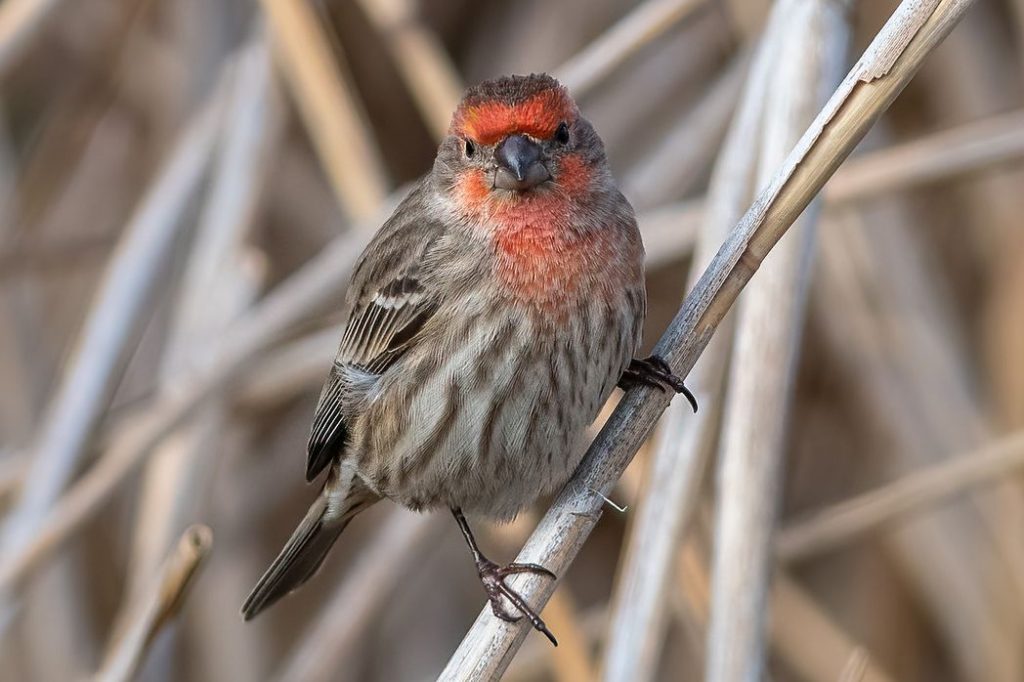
{"points": [[519, 164]]}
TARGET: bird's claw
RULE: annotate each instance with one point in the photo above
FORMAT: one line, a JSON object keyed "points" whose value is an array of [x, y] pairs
{"points": [[493, 578], [655, 372]]}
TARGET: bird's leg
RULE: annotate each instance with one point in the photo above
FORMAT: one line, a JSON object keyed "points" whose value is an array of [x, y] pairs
{"points": [[493, 578], [654, 371]]}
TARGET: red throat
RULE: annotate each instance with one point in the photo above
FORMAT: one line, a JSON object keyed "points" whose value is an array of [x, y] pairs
{"points": [[543, 260]]}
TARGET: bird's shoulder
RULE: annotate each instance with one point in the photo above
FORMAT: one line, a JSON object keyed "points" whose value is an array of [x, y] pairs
{"points": [[390, 298], [398, 282]]}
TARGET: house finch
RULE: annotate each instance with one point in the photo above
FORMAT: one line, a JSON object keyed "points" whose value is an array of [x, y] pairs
{"points": [[488, 321]]}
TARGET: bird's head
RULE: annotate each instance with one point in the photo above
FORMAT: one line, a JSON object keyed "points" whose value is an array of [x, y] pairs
{"points": [[519, 137]]}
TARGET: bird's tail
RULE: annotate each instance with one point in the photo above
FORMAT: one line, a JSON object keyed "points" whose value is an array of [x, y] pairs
{"points": [[342, 497]]}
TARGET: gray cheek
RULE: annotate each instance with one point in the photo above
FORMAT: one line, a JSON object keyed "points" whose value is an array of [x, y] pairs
{"points": [[489, 171]]}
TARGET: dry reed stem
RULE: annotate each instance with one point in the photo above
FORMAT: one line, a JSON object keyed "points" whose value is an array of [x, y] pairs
{"points": [[994, 203], [534, 660], [7, 177], [312, 287], [807, 66], [425, 66], [685, 440], [12, 473], [119, 309], [1017, 10], [1003, 316], [650, 95], [571, 659], [915, 387], [856, 668], [243, 157], [317, 78], [802, 634], [296, 366], [139, 625], [641, 26], [809, 640], [218, 284], [38, 258], [20, 20], [16, 407], [682, 156], [938, 156], [897, 52], [331, 640], [1004, 333], [670, 232], [912, 494], [66, 187], [177, 479]]}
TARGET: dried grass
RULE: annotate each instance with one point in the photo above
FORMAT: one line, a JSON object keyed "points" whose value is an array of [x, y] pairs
{"points": [[184, 187]]}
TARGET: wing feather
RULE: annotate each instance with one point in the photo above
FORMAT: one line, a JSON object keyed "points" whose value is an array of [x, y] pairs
{"points": [[383, 330], [388, 305]]}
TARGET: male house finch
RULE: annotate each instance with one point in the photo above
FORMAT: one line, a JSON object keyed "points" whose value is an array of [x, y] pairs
{"points": [[488, 321]]}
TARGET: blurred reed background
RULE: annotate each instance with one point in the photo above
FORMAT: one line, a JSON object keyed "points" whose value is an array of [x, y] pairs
{"points": [[184, 186]]}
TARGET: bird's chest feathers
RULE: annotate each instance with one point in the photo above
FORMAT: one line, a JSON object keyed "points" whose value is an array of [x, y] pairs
{"points": [[542, 261]]}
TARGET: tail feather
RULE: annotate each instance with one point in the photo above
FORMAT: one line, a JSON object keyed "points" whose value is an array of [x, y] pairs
{"points": [[309, 544]]}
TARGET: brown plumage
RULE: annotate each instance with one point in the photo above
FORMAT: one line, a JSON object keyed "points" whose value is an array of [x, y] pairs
{"points": [[488, 321]]}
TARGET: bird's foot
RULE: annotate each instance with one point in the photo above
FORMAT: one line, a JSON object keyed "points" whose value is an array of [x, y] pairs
{"points": [[493, 578], [654, 372]]}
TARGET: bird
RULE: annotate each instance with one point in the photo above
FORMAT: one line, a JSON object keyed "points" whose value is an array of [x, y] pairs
{"points": [[486, 323]]}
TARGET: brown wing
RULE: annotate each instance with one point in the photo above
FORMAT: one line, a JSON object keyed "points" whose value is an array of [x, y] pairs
{"points": [[381, 329], [388, 305]]}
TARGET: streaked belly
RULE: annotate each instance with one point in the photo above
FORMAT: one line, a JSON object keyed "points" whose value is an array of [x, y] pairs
{"points": [[500, 419]]}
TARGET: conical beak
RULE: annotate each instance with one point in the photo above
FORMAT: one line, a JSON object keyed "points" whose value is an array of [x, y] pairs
{"points": [[519, 164]]}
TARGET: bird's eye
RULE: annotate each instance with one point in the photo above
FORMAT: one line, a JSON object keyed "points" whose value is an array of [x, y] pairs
{"points": [[562, 133], [470, 148]]}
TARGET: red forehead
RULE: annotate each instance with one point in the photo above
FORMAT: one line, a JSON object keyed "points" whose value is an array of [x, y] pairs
{"points": [[537, 116]]}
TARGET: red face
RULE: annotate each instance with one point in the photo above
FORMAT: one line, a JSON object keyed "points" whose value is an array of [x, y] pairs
{"points": [[531, 217], [522, 152]]}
